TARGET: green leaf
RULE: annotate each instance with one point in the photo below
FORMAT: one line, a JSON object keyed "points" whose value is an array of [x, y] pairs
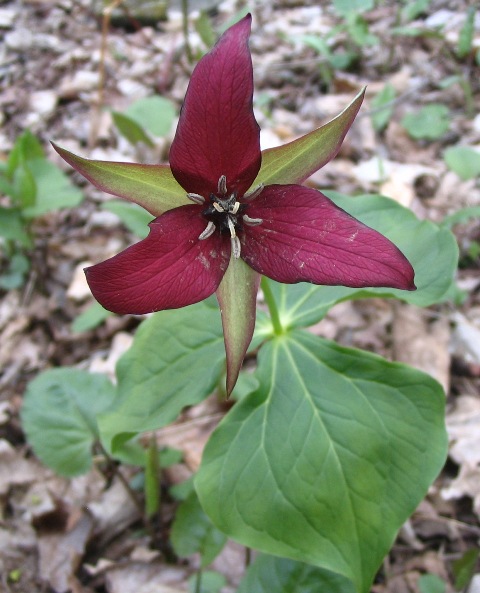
{"points": [[237, 296], [193, 532], [430, 583], [430, 123], [13, 227], [465, 38], [54, 189], [414, 9], [431, 249], [270, 574], [464, 568], [91, 318], [18, 267], [463, 160], [383, 107], [154, 114], [325, 462], [176, 360], [296, 161], [204, 28], [461, 216], [211, 582], [133, 216], [130, 129], [24, 186], [346, 7], [359, 32], [26, 148], [59, 417], [151, 186]]}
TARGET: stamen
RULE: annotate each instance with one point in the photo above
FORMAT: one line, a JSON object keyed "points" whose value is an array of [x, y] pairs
{"points": [[231, 228], [222, 185], [235, 208], [208, 232], [236, 247], [251, 221], [217, 207], [251, 195], [197, 198]]}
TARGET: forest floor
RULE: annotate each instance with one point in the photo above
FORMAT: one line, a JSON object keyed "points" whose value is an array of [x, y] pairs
{"points": [[51, 63]]}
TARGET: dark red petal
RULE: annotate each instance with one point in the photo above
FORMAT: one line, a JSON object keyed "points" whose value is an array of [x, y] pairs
{"points": [[304, 236], [169, 269], [217, 133]]}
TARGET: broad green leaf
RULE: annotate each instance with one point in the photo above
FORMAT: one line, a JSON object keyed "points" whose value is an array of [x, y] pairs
{"points": [[382, 107], [270, 574], [154, 114], [431, 249], [329, 457], [296, 161], [193, 532], [91, 318], [151, 186], [431, 583], [463, 160], [13, 227], [237, 296], [54, 189], [130, 129], [59, 417], [176, 360], [430, 123], [133, 216]]}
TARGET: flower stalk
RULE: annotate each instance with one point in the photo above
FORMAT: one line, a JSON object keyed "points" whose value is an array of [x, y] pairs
{"points": [[278, 328]]}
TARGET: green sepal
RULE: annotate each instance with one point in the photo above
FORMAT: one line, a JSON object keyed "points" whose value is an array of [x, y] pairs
{"points": [[296, 161], [150, 186], [237, 297]]}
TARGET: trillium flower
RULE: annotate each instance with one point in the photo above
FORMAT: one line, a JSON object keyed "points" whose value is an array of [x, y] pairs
{"points": [[227, 214]]}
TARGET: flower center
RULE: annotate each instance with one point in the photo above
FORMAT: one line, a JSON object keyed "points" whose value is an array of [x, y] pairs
{"points": [[226, 214]]}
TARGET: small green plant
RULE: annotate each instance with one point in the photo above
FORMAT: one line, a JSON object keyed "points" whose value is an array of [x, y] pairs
{"points": [[431, 583], [382, 107], [463, 160], [429, 123], [145, 119], [33, 186]]}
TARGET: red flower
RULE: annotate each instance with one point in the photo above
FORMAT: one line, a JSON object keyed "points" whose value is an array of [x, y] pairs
{"points": [[289, 233]]}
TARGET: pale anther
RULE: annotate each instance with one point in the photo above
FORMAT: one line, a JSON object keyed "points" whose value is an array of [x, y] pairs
{"points": [[231, 228], [217, 207], [251, 221], [236, 247], [251, 195], [235, 208], [208, 232], [197, 198], [222, 185]]}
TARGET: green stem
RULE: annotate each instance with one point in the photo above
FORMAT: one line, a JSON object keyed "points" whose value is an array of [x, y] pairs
{"points": [[272, 307], [198, 581], [188, 49]]}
